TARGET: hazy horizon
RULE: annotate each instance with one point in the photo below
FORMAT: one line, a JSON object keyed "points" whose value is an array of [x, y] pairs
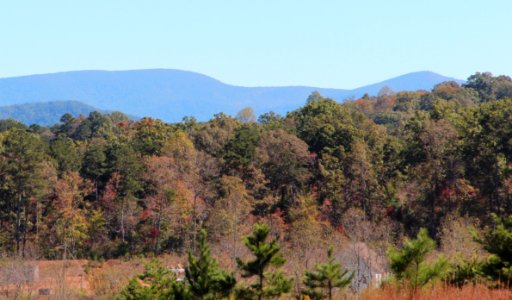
{"points": [[229, 83], [331, 44]]}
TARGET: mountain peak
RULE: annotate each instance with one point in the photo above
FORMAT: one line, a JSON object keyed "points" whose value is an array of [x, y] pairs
{"points": [[171, 94]]}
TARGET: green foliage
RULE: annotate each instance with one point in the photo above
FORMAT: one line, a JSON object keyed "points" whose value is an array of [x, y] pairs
{"points": [[468, 271], [284, 159], [125, 161], [7, 124], [95, 125], [266, 255], [206, 281], [44, 113], [497, 240], [489, 87], [240, 150], [150, 136], [95, 160], [408, 264], [406, 160], [323, 123], [327, 276], [157, 282], [271, 120], [21, 164], [66, 153]]}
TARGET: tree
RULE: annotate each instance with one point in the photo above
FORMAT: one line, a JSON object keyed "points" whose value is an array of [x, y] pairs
{"points": [[266, 254], [362, 185], [70, 225], [241, 149], [497, 240], [95, 165], [284, 159], [8, 124], [125, 161], [323, 123], [97, 231], [213, 136], [326, 276], [66, 153], [156, 283], [229, 213], [161, 177], [22, 155], [306, 233], [181, 149], [246, 115], [150, 136], [409, 266], [432, 165], [205, 279], [489, 87], [314, 96], [487, 152], [271, 120], [95, 125]]}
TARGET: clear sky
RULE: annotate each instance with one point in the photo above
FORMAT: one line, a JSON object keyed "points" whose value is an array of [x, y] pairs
{"points": [[342, 44]]}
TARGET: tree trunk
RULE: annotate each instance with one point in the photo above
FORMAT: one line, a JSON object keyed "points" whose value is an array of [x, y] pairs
{"points": [[195, 224], [96, 189], [158, 222], [18, 224], [122, 220], [260, 292], [24, 233]]}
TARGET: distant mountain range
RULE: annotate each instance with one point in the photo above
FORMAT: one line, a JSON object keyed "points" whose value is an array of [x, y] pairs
{"points": [[166, 94], [45, 113]]}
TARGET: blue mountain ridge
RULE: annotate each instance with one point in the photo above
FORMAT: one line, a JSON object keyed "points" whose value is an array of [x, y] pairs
{"points": [[170, 94]]}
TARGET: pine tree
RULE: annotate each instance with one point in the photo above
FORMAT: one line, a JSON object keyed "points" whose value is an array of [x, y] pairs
{"points": [[156, 283], [497, 240], [21, 164], [409, 266], [326, 277], [267, 254], [203, 275]]}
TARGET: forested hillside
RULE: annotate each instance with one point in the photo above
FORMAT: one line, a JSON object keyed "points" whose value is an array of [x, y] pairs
{"points": [[44, 113], [428, 166]]}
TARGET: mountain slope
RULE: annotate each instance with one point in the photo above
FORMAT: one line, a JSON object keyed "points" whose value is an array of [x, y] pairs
{"points": [[173, 94], [44, 113]]}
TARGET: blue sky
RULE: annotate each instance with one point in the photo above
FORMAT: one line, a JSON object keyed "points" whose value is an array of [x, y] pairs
{"points": [[342, 44]]}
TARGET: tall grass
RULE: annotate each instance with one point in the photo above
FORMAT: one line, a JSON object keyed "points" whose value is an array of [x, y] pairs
{"points": [[437, 292]]}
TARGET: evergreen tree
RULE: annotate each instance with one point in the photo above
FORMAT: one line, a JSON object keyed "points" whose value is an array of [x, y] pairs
{"points": [[239, 151], [21, 164], [409, 266], [267, 254], [203, 275], [497, 240], [66, 154], [156, 283], [94, 165], [326, 277]]}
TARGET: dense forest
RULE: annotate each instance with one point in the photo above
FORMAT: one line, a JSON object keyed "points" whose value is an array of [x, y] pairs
{"points": [[418, 171]]}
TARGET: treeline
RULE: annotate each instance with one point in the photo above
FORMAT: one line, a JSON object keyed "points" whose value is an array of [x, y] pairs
{"points": [[204, 280], [104, 186]]}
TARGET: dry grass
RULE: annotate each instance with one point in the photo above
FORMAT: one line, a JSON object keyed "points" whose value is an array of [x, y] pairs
{"points": [[71, 279], [468, 292], [24, 279], [109, 278]]}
